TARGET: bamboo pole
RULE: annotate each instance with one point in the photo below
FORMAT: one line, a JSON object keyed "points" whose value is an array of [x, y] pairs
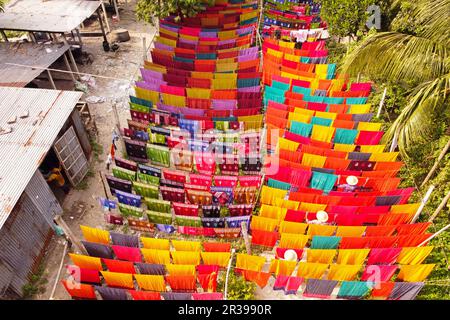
{"points": [[436, 164], [423, 203], [245, 236], [228, 272], [59, 220], [435, 235], [441, 206], [394, 141], [59, 272], [383, 97]]}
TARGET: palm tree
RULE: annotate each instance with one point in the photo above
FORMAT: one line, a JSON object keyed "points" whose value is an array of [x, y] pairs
{"points": [[420, 57]]}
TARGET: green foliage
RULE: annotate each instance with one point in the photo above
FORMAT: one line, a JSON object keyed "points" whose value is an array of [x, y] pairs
{"points": [[238, 288], [147, 10], [97, 149], [36, 284], [345, 17], [414, 54]]}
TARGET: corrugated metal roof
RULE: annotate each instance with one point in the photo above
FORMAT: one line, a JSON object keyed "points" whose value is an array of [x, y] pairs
{"points": [[31, 54], [46, 15], [23, 149]]}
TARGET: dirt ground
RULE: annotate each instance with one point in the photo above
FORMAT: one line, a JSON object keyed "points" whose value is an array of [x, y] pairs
{"points": [[81, 207]]}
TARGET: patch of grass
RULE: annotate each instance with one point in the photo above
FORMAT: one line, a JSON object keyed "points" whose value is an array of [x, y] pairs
{"points": [[36, 284], [97, 149]]}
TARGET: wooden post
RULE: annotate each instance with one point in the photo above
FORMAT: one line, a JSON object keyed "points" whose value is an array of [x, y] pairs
{"points": [[381, 102], [394, 141], [50, 78], [144, 47], [4, 35], [245, 236], [228, 272], [66, 61], [116, 117], [106, 16], [423, 203], [101, 25], [117, 9], [435, 235], [72, 59], [436, 164], [70, 234], [441, 206], [103, 184]]}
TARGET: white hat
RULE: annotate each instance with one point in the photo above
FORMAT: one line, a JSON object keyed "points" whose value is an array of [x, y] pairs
{"points": [[352, 180], [322, 216], [290, 255]]}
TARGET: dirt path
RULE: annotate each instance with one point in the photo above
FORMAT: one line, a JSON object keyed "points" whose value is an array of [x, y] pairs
{"points": [[81, 206]]}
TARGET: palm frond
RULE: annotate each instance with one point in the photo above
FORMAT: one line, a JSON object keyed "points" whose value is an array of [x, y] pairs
{"points": [[415, 123], [434, 18], [398, 57]]}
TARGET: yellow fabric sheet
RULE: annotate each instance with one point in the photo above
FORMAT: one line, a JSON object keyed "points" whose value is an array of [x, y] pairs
{"points": [[352, 256], [405, 208], [384, 157], [180, 269], [359, 108], [320, 255], [344, 147], [312, 207], [322, 133], [343, 272], [216, 258], [156, 256], [152, 243], [313, 160], [309, 270], [415, 273], [369, 126], [268, 194], [269, 211], [320, 230], [287, 204], [293, 241], [150, 282], [95, 235], [293, 227], [86, 262], [286, 144], [350, 231], [185, 257], [414, 255], [249, 262], [117, 279], [182, 245], [283, 267], [265, 224], [376, 148]]}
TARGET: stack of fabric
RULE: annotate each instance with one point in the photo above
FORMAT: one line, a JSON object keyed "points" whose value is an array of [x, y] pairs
{"points": [[325, 159], [126, 267], [194, 137], [293, 19]]}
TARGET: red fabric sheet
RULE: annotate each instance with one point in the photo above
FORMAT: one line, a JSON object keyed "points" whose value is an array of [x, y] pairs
{"points": [[208, 281], [217, 246], [119, 266], [279, 252], [81, 291], [383, 256], [416, 228], [127, 253], [144, 295], [264, 238], [84, 275]]}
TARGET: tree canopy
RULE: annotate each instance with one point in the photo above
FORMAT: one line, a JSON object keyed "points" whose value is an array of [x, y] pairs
{"points": [[146, 10]]}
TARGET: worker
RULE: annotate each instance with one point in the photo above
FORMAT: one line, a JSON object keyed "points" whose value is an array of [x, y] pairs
{"points": [[56, 174], [321, 218], [350, 185]]}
